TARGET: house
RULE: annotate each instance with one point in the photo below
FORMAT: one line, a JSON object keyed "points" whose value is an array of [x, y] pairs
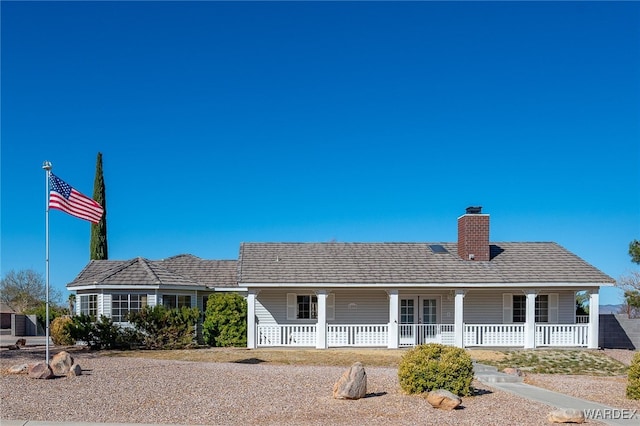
{"points": [[468, 293]]}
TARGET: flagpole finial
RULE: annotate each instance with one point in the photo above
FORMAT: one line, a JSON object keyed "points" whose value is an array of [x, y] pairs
{"points": [[47, 165]]}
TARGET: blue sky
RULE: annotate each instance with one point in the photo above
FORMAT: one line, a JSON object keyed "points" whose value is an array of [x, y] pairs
{"points": [[239, 121]]}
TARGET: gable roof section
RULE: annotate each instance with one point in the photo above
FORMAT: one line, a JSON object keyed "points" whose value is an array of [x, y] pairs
{"points": [[177, 271], [410, 263]]}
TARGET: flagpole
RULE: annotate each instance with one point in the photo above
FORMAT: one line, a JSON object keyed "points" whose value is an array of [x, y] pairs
{"points": [[47, 167]]}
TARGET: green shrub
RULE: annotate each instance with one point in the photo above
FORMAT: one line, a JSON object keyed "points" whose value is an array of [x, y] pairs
{"points": [[633, 378], [225, 320], [163, 328], [59, 331], [435, 366], [40, 312], [102, 334]]}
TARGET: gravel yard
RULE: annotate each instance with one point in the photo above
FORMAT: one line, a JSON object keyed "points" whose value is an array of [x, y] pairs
{"points": [[139, 390]]}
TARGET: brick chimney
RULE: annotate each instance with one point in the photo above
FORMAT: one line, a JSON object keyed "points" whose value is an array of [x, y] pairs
{"points": [[473, 235]]}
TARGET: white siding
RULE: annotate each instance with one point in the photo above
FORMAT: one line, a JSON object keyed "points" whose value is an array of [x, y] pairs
{"points": [[104, 300], [361, 307]]}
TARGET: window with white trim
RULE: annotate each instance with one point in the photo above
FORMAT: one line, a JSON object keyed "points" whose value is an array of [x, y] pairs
{"points": [[301, 306], [542, 310], [122, 304], [172, 301], [89, 304]]}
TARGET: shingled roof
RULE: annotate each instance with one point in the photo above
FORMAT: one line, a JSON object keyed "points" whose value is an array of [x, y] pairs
{"points": [[411, 263], [178, 271]]}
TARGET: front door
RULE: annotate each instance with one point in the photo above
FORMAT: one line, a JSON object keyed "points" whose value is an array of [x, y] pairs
{"points": [[408, 318], [418, 321]]}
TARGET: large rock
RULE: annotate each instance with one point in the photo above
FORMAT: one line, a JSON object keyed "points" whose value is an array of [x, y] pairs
{"points": [[352, 384], [61, 363], [41, 370], [18, 369], [441, 398], [75, 370], [569, 415]]}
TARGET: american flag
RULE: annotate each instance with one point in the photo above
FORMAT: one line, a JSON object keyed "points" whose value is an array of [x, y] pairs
{"points": [[63, 197]]}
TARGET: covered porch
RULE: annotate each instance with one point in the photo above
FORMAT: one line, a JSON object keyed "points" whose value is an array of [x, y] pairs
{"points": [[414, 320]]}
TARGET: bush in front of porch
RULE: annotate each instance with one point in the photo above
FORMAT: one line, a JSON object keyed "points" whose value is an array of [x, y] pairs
{"points": [[436, 366]]}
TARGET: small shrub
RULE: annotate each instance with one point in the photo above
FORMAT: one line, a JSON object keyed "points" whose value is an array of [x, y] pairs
{"points": [[633, 378], [59, 331], [435, 366], [225, 320]]}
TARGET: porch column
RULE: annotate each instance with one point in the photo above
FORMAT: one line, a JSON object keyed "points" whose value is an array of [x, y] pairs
{"points": [[530, 321], [594, 318], [251, 319], [321, 327], [458, 324], [392, 333]]}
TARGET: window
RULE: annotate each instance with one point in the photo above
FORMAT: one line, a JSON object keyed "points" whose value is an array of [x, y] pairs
{"points": [[307, 307], [89, 305], [172, 301], [520, 308], [122, 304]]}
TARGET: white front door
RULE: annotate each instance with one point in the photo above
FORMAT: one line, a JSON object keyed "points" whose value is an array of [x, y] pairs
{"points": [[408, 317]]}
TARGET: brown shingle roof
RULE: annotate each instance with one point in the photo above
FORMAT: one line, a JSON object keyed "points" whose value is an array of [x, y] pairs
{"points": [[411, 263], [182, 270]]}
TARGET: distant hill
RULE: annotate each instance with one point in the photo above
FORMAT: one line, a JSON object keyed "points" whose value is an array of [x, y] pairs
{"points": [[610, 309]]}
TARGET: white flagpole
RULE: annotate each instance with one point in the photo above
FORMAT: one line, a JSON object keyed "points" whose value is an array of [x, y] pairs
{"points": [[47, 167]]}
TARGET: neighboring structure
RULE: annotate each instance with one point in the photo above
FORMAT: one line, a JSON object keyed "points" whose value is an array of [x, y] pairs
{"points": [[469, 293]]}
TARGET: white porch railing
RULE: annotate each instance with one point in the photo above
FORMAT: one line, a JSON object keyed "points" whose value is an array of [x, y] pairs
{"points": [[582, 319], [418, 334], [377, 335], [357, 335], [562, 334], [286, 335], [493, 335]]}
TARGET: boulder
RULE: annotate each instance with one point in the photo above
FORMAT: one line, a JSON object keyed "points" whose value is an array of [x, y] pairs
{"points": [[513, 371], [352, 384], [41, 370], [21, 342], [441, 398], [18, 369], [61, 363], [75, 370], [569, 415]]}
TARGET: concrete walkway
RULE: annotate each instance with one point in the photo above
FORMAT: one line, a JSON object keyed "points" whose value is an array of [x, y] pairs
{"points": [[593, 411]]}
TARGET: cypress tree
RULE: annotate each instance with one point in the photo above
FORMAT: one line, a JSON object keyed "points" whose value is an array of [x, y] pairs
{"points": [[98, 245]]}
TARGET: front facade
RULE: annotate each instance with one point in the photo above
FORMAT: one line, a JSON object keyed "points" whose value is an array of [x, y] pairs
{"points": [[468, 293]]}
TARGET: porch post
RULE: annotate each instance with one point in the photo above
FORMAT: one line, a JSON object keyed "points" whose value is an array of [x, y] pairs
{"points": [[530, 321], [458, 325], [321, 327], [251, 319], [594, 319], [393, 320]]}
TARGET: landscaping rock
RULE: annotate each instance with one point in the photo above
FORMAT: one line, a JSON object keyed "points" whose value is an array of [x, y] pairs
{"points": [[18, 369], [441, 398], [41, 370], [21, 342], [61, 363], [75, 370], [352, 384], [513, 371], [570, 415]]}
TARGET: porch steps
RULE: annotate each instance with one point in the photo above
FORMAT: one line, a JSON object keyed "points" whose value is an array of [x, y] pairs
{"points": [[490, 374]]}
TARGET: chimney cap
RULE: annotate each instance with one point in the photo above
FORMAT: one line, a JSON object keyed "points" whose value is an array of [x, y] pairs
{"points": [[474, 210]]}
